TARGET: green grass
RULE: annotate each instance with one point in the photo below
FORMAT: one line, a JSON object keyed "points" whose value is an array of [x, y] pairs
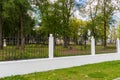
{"points": [[99, 71]]}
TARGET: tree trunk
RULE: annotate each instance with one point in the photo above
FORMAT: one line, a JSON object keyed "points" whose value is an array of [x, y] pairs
{"points": [[18, 40], [105, 24], [1, 43], [85, 44], [22, 32], [66, 42], [105, 44], [75, 41]]}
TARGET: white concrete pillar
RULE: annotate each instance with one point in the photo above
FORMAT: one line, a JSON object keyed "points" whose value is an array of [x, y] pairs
{"points": [[51, 46], [4, 43], [118, 45], [92, 46]]}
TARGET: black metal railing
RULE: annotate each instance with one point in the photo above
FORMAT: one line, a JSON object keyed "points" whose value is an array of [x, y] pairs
{"points": [[73, 48], [32, 48], [110, 47], [36, 47], [82, 47]]}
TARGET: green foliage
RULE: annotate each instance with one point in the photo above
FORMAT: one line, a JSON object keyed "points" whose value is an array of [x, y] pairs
{"points": [[55, 16], [113, 33], [75, 24], [118, 31], [11, 21], [101, 16]]}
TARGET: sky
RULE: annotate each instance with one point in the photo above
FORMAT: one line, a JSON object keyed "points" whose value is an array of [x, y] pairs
{"points": [[117, 18]]}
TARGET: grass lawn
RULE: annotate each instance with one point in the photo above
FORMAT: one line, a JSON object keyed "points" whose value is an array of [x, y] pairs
{"points": [[99, 71]]}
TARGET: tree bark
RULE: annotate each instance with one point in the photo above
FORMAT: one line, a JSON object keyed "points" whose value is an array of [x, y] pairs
{"points": [[105, 44], [85, 37], [1, 26], [66, 42], [1, 43], [18, 40], [22, 32]]}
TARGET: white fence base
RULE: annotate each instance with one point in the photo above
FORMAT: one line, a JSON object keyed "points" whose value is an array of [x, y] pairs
{"points": [[37, 65]]}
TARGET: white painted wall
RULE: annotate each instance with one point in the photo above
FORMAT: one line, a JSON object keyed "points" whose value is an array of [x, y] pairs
{"points": [[37, 65]]}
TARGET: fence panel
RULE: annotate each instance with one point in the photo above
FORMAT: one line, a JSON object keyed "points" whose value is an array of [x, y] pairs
{"points": [[33, 48], [73, 48], [109, 48]]}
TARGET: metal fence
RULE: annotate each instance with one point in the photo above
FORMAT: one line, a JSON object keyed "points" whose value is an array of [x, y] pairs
{"points": [[33, 48], [73, 48], [110, 46], [36, 47], [83, 47]]}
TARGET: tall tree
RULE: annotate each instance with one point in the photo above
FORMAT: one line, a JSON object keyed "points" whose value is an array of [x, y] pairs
{"points": [[67, 8], [56, 17], [17, 20], [108, 11], [104, 9], [22, 7], [75, 25], [93, 11], [1, 22]]}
